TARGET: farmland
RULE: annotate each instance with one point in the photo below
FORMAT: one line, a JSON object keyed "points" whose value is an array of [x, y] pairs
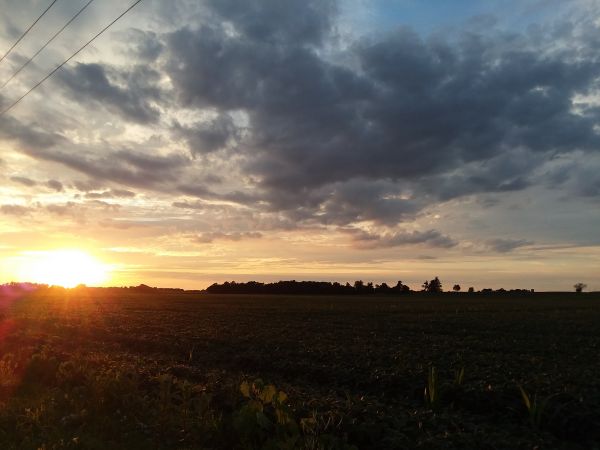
{"points": [[97, 368]]}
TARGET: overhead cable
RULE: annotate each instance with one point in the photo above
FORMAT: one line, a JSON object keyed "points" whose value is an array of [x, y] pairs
{"points": [[27, 30], [26, 63], [17, 101]]}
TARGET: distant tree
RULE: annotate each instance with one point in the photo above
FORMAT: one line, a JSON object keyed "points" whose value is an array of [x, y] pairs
{"points": [[471, 290], [359, 286], [143, 288], [291, 287], [382, 288], [579, 287], [456, 288], [433, 286], [401, 288]]}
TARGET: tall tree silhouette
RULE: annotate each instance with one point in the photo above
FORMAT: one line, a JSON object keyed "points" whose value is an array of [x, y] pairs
{"points": [[433, 286]]}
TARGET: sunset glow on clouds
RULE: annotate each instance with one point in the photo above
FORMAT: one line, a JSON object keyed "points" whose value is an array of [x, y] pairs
{"points": [[207, 141]]}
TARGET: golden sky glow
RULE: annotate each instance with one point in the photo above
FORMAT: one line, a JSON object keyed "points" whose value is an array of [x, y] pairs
{"points": [[67, 268], [198, 142]]}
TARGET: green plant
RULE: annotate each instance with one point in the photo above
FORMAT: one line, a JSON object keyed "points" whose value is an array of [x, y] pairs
{"points": [[432, 389], [265, 417], [536, 408], [459, 377]]}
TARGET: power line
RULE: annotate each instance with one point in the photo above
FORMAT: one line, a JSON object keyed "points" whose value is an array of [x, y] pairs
{"points": [[12, 105], [27, 31], [46, 44]]}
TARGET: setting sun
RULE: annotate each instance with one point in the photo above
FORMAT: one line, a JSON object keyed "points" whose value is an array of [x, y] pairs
{"points": [[67, 268]]}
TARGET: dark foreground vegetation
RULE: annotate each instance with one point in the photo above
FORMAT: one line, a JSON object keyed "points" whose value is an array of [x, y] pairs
{"points": [[143, 369]]}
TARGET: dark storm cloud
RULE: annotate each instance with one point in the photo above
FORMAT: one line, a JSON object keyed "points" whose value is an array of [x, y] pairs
{"points": [[191, 205], [104, 205], [122, 193], [363, 200], [132, 101], [205, 193], [28, 136], [196, 190], [15, 210], [207, 238], [590, 187], [210, 136], [394, 124], [277, 22], [24, 181], [111, 193], [431, 238], [87, 185], [64, 209], [507, 245], [143, 44], [127, 167], [447, 117], [55, 184], [585, 178], [574, 175], [508, 171]]}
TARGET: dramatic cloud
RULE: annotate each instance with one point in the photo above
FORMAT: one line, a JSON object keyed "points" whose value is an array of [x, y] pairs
{"points": [[69, 208], [360, 200], [55, 185], [206, 238], [208, 137], [144, 44], [430, 238], [507, 245], [111, 193], [448, 117], [30, 137], [90, 82], [274, 22], [191, 205], [127, 167], [15, 210], [24, 181]]}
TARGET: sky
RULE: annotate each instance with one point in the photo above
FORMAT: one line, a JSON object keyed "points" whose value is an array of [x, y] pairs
{"points": [[202, 141]]}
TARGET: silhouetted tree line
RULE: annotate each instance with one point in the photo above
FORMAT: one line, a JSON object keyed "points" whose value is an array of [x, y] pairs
{"points": [[146, 288], [359, 287], [294, 287]]}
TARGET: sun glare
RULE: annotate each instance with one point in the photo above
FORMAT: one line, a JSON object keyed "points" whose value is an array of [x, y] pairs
{"points": [[67, 268]]}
